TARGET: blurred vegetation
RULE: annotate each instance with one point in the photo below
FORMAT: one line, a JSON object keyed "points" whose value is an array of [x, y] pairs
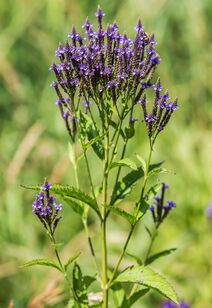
{"points": [[33, 143]]}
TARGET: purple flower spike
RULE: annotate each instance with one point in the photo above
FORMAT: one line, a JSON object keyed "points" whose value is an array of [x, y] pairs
{"points": [[46, 209], [158, 209]]}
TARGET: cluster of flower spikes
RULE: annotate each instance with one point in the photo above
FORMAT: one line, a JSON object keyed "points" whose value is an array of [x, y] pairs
{"points": [[46, 208], [107, 65], [159, 209]]}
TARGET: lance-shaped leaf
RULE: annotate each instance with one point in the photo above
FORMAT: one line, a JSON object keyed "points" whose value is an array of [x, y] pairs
{"points": [[42, 262], [143, 163], [125, 162], [124, 187], [94, 138], [79, 286], [120, 212], [160, 254], [146, 276], [71, 260], [157, 171]]}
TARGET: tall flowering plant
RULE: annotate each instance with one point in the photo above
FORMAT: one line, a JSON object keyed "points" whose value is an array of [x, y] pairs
{"points": [[102, 81]]}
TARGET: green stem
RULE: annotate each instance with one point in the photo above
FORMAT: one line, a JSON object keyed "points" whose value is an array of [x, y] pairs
{"points": [[133, 226], [151, 244], [103, 225]]}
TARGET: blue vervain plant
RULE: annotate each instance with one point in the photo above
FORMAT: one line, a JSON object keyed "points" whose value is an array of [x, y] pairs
{"points": [[101, 82]]}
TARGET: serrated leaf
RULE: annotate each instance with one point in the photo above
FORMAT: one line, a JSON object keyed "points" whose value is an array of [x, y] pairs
{"points": [[120, 212], [79, 286], [160, 254], [143, 163], [93, 135], [71, 260], [125, 162], [146, 276], [42, 262]]}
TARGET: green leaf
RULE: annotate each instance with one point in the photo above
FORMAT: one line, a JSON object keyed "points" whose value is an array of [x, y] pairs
{"points": [[130, 132], [158, 171], [89, 130], [120, 212], [153, 191], [71, 260], [159, 255], [143, 208], [89, 280], [144, 275], [115, 126], [143, 163], [79, 286], [75, 193], [126, 162], [77, 207], [124, 187], [43, 262], [133, 298]]}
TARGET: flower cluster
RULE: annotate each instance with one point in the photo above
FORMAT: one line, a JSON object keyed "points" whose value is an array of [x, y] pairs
{"points": [[169, 304], [46, 208], [159, 209], [104, 66], [161, 112]]}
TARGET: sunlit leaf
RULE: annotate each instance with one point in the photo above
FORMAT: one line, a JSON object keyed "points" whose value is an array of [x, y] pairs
{"points": [[126, 162], [120, 212], [146, 276]]}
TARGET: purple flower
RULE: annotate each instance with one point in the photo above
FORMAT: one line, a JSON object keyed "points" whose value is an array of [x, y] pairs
{"points": [[46, 209], [170, 304], [209, 211]]}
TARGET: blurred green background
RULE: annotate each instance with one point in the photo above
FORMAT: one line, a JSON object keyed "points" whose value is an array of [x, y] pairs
{"points": [[33, 143]]}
